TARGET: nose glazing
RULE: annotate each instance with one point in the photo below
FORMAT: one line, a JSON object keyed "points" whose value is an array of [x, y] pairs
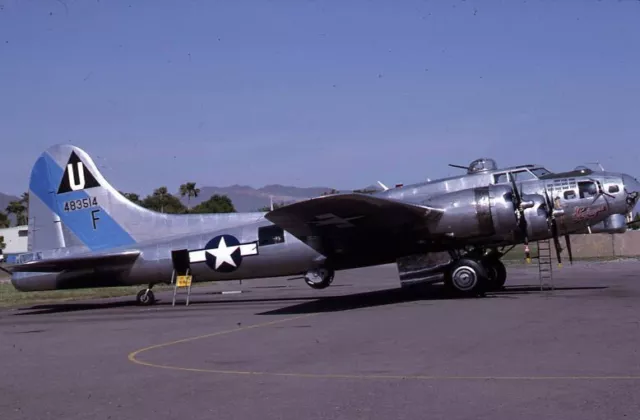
{"points": [[631, 189]]}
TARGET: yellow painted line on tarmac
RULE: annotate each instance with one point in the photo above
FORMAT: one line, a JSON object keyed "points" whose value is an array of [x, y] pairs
{"points": [[133, 357]]}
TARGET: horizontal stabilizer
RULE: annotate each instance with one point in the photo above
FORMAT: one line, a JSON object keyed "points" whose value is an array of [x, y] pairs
{"points": [[79, 262]]}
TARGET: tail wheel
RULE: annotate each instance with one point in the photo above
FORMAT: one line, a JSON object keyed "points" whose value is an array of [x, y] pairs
{"points": [[145, 297], [467, 277]]}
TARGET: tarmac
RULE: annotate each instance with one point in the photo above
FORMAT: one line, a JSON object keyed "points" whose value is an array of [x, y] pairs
{"points": [[363, 348]]}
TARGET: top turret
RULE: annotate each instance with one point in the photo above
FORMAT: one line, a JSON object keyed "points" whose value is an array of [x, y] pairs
{"points": [[482, 165]]}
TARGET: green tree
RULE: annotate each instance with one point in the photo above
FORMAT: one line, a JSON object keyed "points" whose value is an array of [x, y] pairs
{"points": [[18, 209], [216, 204], [133, 197], [24, 199], [275, 206], [4, 221], [163, 202], [189, 189], [2, 244]]}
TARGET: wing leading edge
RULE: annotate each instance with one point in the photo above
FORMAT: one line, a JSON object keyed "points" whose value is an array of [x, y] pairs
{"points": [[78, 262], [353, 223]]}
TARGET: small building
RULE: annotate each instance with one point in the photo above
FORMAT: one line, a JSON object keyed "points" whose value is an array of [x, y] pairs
{"points": [[15, 240]]}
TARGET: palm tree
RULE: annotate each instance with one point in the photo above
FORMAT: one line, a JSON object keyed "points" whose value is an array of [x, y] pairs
{"points": [[189, 189], [24, 199], [17, 208], [162, 193], [4, 221]]}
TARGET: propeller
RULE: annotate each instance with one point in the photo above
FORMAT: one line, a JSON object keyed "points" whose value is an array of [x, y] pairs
{"points": [[522, 221], [554, 230], [600, 192], [568, 241]]}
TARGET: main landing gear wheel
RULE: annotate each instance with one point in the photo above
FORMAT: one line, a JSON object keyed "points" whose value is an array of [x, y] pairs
{"points": [[319, 278], [145, 297], [467, 277], [497, 273]]}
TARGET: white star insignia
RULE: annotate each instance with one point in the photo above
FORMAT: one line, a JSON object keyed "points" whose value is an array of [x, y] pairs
{"points": [[223, 253]]}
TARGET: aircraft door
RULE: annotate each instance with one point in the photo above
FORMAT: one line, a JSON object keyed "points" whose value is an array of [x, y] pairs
{"points": [[180, 261]]}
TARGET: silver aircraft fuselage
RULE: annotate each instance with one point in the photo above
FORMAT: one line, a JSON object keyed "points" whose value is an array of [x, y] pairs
{"points": [[88, 232]]}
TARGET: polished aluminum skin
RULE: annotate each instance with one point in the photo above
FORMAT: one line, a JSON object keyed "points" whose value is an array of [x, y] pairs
{"points": [[84, 233]]}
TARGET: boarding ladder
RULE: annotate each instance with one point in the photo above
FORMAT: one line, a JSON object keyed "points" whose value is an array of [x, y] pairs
{"points": [[545, 264], [181, 280]]}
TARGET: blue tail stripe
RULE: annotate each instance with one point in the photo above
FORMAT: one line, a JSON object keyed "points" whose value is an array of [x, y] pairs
{"points": [[45, 179]]}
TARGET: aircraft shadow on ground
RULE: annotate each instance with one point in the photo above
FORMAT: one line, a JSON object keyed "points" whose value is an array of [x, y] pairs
{"points": [[180, 303], [399, 295], [311, 304]]}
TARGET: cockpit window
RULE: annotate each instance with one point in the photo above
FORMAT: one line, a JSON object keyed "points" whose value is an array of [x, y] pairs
{"points": [[538, 172], [587, 189], [522, 176], [500, 178], [518, 176], [613, 189], [569, 195]]}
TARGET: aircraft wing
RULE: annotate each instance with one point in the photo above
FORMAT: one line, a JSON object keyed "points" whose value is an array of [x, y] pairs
{"points": [[353, 224], [76, 262]]}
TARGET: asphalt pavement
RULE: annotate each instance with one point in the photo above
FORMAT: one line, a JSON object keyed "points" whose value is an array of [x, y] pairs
{"points": [[363, 348]]}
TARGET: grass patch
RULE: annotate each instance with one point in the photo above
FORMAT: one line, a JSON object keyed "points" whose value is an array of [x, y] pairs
{"points": [[9, 296]]}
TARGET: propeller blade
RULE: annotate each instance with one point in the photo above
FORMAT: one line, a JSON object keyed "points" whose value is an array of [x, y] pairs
{"points": [[556, 244], [522, 222], [515, 189], [549, 203], [554, 227], [567, 239]]}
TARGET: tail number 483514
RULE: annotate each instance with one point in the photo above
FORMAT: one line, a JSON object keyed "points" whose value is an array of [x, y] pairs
{"points": [[79, 204]]}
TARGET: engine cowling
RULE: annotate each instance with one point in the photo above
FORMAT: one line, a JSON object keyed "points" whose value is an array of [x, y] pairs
{"points": [[537, 217], [488, 213]]}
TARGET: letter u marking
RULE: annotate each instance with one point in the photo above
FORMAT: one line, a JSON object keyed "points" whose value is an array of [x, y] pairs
{"points": [[72, 176]]}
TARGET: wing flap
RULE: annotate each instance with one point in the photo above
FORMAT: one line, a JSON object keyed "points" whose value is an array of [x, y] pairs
{"points": [[79, 262]]}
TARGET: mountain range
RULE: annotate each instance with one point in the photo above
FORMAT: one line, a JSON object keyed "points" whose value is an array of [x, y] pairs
{"points": [[5, 199], [244, 197]]}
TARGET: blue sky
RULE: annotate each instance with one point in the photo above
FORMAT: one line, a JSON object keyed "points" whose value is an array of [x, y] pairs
{"points": [[334, 93]]}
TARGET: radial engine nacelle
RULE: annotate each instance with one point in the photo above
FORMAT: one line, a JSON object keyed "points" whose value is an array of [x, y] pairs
{"points": [[490, 213]]}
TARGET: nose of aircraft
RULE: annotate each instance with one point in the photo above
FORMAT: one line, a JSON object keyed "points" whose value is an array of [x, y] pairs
{"points": [[632, 189]]}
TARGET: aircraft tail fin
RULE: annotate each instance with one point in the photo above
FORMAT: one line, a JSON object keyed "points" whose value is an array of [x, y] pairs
{"points": [[72, 205]]}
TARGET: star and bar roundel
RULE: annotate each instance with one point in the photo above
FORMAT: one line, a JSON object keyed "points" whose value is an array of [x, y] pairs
{"points": [[224, 253]]}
